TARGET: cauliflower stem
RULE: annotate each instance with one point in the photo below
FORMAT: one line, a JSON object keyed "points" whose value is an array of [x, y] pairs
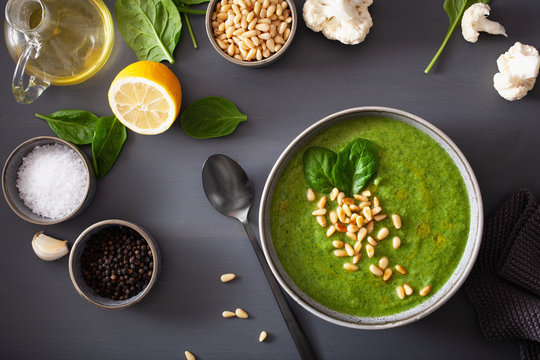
{"points": [[454, 9]]}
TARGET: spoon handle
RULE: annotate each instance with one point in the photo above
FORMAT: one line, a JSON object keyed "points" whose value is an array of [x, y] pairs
{"points": [[302, 343]]}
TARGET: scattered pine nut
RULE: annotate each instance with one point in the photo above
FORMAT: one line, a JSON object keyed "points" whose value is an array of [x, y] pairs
{"points": [[425, 290], [364, 204], [369, 227], [241, 314], [311, 195], [372, 241], [396, 219], [376, 202], [338, 244], [408, 289], [340, 227], [340, 198], [376, 210], [356, 258], [321, 220], [348, 201], [228, 314], [396, 242], [375, 270], [263, 336], [334, 194], [380, 217], [351, 236], [333, 217], [354, 207], [366, 193], [357, 247], [400, 269], [370, 250], [352, 228], [359, 221], [347, 210], [331, 230], [227, 277], [349, 249], [362, 232], [400, 292], [189, 356], [361, 198], [383, 263], [319, 212], [322, 202], [341, 214], [340, 253], [367, 213], [387, 274], [350, 267], [383, 233]]}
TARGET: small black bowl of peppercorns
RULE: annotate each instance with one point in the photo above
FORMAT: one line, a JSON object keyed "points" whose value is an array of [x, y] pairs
{"points": [[114, 264]]}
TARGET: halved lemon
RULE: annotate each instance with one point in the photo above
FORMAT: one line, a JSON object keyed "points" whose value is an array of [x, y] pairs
{"points": [[146, 97]]}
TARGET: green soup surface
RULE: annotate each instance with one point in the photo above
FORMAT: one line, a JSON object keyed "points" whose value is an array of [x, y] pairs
{"points": [[418, 180]]}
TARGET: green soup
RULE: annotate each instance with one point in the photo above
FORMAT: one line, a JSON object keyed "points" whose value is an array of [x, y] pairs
{"points": [[417, 180]]}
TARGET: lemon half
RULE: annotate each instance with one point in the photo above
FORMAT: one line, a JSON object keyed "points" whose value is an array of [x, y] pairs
{"points": [[146, 97]]}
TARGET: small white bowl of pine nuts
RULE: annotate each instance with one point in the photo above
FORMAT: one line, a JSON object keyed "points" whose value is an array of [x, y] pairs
{"points": [[251, 33]]}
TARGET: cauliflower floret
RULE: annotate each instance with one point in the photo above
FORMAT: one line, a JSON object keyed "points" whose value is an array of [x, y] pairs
{"points": [[475, 20], [518, 69], [345, 20]]}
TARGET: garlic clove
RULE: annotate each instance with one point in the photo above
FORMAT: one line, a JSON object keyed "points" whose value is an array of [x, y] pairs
{"points": [[48, 248]]}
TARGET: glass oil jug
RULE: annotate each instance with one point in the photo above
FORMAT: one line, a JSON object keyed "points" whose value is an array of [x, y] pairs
{"points": [[56, 42]]}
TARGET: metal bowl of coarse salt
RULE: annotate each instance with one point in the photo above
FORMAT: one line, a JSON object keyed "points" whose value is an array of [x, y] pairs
{"points": [[47, 180], [432, 300]]}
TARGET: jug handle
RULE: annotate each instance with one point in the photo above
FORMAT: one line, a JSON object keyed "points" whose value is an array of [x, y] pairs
{"points": [[35, 86]]}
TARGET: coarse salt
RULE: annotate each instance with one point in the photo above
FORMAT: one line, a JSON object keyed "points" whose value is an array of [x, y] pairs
{"points": [[52, 181]]}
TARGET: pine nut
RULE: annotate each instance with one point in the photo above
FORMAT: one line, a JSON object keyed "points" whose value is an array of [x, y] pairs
{"points": [[252, 24], [347, 220], [369, 227], [383, 263], [361, 198], [279, 10], [375, 270], [263, 336], [249, 33], [241, 314], [238, 32], [354, 207], [340, 227], [333, 217], [319, 212], [266, 53], [357, 247], [396, 219], [367, 213], [270, 11], [350, 267], [249, 43], [376, 202], [322, 202], [259, 55], [400, 292], [340, 253], [278, 46], [257, 7], [340, 198], [229, 32], [425, 290], [400, 269], [321, 220], [231, 50], [341, 214], [380, 217], [228, 314], [362, 233], [347, 210], [396, 242], [376, 210], [366, 193], [387, 274], [331, 230], [282, 27], [348, 201], [288, 20], [356, 258], [370, 250], [221, 27], [352, 228], [227, 277], [262, 27], [270, 45], [349, 249], [265, 4], [359, 221], [372, 241], [334, 194], [408, 289], [250, 16], [221, 44], [338, 244], [351, 236], [189, 356], [364, 204], [353, 217], [383, 233]]}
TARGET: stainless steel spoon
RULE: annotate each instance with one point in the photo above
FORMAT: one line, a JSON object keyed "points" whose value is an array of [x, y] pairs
{"points": [[228, 189]]}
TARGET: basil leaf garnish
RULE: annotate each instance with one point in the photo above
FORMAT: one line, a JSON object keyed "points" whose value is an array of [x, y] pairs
{"points": [[318, 165], [356, 164]]}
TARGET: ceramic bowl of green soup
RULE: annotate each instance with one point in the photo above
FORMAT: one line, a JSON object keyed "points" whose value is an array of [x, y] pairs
{"points": [[371, 218]]}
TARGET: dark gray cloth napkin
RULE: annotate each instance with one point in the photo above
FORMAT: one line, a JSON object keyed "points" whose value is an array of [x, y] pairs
{"points": [[504, 285]]}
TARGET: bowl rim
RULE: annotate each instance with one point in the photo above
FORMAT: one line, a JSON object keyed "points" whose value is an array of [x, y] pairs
{"points": [[83, 237], [256, 63], [52, 139], [413, 315]]}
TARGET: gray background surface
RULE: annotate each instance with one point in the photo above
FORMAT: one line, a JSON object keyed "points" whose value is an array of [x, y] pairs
{"points": [[156, 183]]}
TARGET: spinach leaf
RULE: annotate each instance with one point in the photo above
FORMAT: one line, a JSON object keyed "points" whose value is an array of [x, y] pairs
{"points": [[189, 2], [356, 164], [454, 9], [75, 126], [150, 27], [211, 117], [108, 141], [318, 165]]}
